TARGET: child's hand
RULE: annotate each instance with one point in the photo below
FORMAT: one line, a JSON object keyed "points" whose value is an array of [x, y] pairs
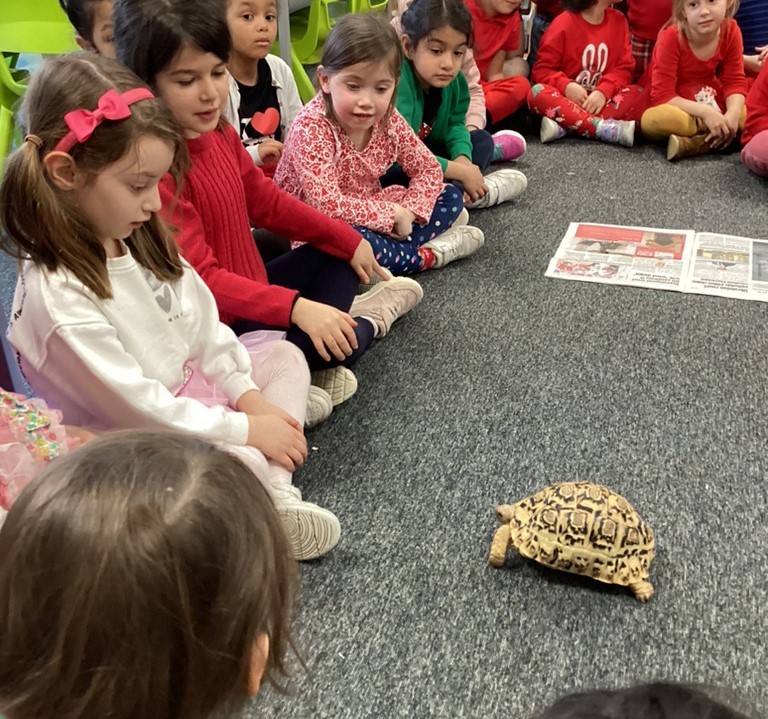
{"points": [[719, 132], [364, 263], [270, 151], [595, 102], [732, 120], [762, 55], [403, 222], [576, 93], [473, 181], [253, 403], [326, 327], [278, 439]]}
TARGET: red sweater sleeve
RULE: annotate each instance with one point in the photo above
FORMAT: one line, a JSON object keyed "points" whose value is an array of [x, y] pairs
{"points": [[549, 59], [732, 72], [236, 296], [622, 63], [280, 212], [665, 66]]}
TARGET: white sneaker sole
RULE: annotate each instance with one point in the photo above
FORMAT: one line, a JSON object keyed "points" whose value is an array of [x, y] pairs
{"points": [[311, 530]]}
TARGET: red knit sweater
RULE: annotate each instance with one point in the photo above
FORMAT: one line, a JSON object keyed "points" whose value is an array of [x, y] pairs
{"points": [[221, 192]]}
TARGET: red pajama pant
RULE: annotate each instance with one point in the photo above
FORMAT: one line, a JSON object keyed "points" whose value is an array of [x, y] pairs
{"points": [[505, 96], [627, 104]]}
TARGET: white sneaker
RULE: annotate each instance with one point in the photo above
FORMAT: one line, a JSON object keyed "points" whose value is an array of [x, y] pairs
{"points": [[455, 244], [550, 130], [319, 406], [387, 302], [311, 530], [375, 279], [503, 185], [462, 219], [339, 383]]}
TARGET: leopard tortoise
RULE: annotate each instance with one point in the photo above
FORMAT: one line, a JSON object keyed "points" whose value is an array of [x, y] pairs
{"points": [[582, 528]]}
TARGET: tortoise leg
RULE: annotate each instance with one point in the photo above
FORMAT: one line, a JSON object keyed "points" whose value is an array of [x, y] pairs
{"points": [[643, 591], [499, 546]]}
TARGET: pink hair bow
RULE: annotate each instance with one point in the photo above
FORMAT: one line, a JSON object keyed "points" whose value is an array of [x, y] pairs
{"points": [[112, 106]]}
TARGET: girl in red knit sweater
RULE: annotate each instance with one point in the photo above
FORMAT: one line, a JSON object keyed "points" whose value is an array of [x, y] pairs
{"points": [[697, 79], [583, 73], [180, 47]]}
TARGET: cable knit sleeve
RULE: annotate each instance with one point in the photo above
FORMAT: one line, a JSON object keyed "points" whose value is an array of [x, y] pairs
{"points": [[312, 169]]}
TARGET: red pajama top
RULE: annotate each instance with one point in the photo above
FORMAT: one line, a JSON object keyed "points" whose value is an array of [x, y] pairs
{"points": [[493, 33], [598, 57], [677, 72], [757, 107], [222, 191]]}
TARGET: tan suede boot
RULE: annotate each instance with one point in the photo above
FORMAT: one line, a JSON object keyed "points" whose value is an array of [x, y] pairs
{"points": [[679, 147]]}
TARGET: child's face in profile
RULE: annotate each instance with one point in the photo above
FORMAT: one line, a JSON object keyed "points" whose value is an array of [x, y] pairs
{"points": [[437, 58], [503, 7], [195, 86], [360, 94], [253, 27], [102, 31]]}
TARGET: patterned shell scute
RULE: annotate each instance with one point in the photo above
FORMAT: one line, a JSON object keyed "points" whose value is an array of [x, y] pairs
{"points": [[586, 529]]}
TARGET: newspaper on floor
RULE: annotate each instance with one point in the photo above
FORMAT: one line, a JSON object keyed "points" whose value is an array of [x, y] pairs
{"points": [[663, 259]]}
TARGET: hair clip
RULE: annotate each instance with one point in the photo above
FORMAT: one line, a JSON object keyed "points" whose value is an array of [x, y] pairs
{"points": [[112, 105]]}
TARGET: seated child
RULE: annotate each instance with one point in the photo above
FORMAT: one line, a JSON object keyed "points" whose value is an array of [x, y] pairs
{"points": [[754, 139], [180, 47], [582, 76], [697, 80], [660, 701], [507, 144], [646, 18], [145, 575], [265, 98], [432, 97], [92, 20], [349, 135], [752, 19], [498, 45], [109, 324]]}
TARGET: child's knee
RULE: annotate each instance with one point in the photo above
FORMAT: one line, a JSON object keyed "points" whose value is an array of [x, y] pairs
{"points": [[754, 155]]}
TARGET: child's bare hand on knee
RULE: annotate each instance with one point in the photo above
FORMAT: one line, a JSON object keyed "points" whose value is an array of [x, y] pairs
{"points": [[719, 132], [254, 403], [576, 93], [472, 180], [595, 102], [278, 440], [364, 263], [403, 226], [331, 330]]}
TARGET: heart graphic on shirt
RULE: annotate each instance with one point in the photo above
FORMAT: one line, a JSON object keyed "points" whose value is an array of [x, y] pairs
{"points": [[265, 123], [165, 299]]}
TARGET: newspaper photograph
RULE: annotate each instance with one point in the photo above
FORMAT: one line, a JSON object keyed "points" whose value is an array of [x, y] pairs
{"points": [[681, 260]]}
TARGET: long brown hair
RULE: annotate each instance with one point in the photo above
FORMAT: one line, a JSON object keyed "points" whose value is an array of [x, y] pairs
{"points": [[39, 222], [136, 576]]}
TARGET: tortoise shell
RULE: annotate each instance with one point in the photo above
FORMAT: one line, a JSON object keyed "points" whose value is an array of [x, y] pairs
{"points": [[581, 528]]}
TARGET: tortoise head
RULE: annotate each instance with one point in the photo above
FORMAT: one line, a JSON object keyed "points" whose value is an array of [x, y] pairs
{"points": [[504, 512]]}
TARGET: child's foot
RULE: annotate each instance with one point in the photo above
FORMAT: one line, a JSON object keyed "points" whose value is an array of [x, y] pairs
{"points": [[503, 185], [455, 244], [679, 147], [387, 302], [462, 219], [311, 530], [616, 132], [339, 383], [319, 406], [508, 145], [550, 130]]}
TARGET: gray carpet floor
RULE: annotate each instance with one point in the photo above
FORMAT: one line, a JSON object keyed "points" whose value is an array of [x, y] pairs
{"points": [[502, 381]]}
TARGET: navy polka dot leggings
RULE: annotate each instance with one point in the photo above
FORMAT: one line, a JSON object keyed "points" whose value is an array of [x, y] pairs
{"points": [[401, 257]]}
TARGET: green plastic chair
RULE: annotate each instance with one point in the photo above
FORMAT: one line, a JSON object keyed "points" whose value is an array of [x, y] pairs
{"points": [[37, 28], [367, 6], [310, 27]]}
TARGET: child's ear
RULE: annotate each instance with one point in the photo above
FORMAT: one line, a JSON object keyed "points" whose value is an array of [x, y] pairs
{"points": [[405, 41], [61, 170], [83, 44], [259, 656], [323, 80]]}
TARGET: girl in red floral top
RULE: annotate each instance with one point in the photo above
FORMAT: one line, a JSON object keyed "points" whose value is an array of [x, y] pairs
{"points": [[349, 135], [697, 79]]}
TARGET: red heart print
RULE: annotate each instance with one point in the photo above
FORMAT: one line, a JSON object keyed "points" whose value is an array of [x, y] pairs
{"points": [[265, 123]]}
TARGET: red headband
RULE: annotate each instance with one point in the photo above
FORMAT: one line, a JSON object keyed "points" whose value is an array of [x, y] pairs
{"points": [[112, 106]]}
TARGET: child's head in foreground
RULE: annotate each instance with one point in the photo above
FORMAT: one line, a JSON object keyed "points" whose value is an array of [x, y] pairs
{"points": [[144, 575], [435, 38], [180, 48], [92, 20], [74, 186], [646, 701], [359, 70]]}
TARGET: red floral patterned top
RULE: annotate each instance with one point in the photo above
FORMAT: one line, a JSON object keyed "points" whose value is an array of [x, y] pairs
{"points": [[321, 166]]}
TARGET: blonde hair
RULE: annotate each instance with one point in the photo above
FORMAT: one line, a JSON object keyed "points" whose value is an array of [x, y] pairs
{"points": [[38, 222], [678, 13], [136, 577]]}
